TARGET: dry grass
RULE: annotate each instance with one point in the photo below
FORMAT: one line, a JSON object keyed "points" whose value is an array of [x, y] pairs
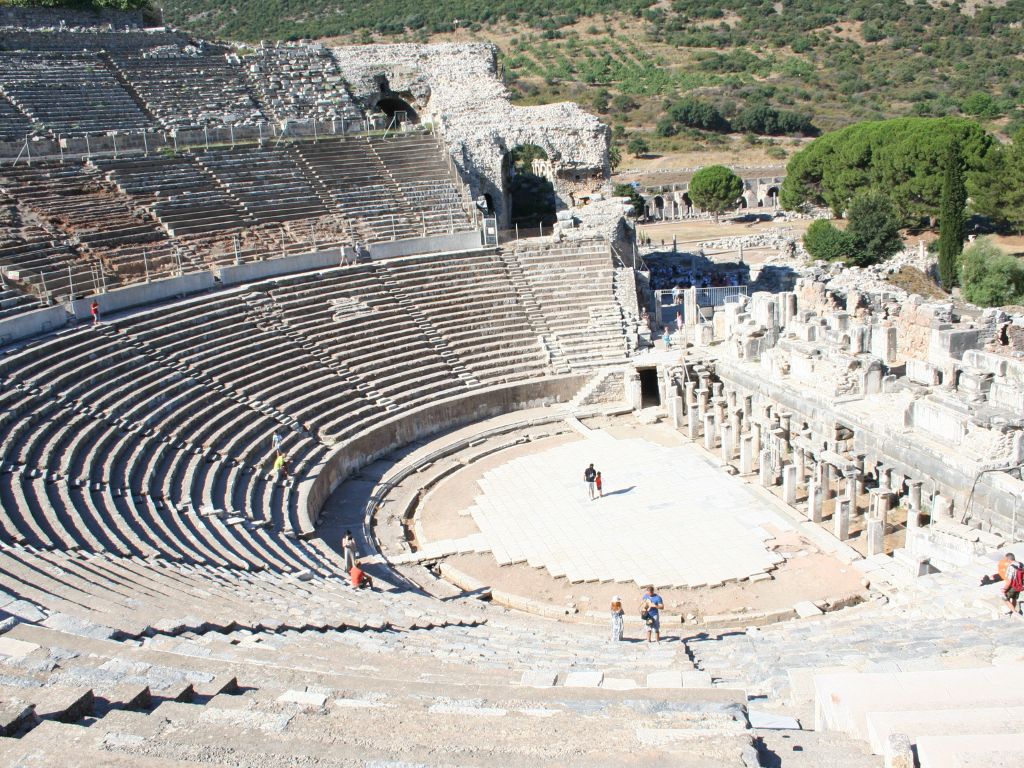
{"points": [[913, 280]]}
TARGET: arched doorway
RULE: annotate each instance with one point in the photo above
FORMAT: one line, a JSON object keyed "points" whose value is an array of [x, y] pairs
{"points": [[531, 197], [659, 205], [773, 197], [687, 204], [397, 109]]}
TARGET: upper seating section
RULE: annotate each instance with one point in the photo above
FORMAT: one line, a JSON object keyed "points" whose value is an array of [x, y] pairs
{"points": [[300, 82], [190, 87], [14, 124], [69, 94]]}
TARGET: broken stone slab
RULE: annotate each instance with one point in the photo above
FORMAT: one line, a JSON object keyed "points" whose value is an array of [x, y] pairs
{"points": [[771, 721], [539, 678], [805, 609], [305, 699], [14, 714], [584, 679], [665, 679]]}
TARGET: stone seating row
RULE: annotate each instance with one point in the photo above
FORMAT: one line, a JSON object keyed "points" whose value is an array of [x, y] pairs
{"points": [[190, 91], [69, 94], [14, 124]]}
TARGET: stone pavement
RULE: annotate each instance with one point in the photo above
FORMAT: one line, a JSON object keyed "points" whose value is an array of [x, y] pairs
{"points": [[669, 517]]}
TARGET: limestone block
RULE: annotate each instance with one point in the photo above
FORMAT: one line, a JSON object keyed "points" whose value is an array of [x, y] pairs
{"points": [[539, 678], [841, 519], [305, 699], [789, 483], [671, 678], [876, 537], [584, 678], [898, 751]]}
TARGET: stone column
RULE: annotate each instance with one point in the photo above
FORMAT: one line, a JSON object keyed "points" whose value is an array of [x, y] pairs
{"points": [[789, 481], [800, 456], [730, 399], [767, 477], [726, 447], [692, 424], [702, 403], [859, 461], [831, 478], [814, 495], [748, 407], [755, 433], [709, 431], [841, 519], [851, 489], [716, 389], [736, 422], [676, 406], [876, 536], [913, 504], [691, 394], [746, 454]]}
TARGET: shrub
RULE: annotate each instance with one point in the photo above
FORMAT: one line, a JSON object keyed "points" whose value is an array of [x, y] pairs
{"points": [[874, 229], [638, 146], [991, 278], [715, 189], [823, 240]]}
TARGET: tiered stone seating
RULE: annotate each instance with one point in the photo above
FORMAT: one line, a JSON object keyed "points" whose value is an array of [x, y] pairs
{"points": [[421, 169], [352, 316], [190, 88], [572, 288], [94, 215], [14, 124], [469, 301], [183, 195], [267, 183], [362, 185], [300, 82], [69, 94]]}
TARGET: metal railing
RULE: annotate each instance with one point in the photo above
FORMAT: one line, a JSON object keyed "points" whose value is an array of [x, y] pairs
{"points": [[666, 307]]}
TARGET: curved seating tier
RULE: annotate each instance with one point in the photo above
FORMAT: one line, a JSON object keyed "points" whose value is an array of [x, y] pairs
{"points": [[152, 434]]}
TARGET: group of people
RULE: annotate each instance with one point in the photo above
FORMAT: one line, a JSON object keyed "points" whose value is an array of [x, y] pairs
{"points": [[1011, 573], [358, 578], [650, 612]]}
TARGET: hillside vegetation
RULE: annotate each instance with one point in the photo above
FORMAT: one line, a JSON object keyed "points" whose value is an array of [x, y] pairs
{"points": [[819, 64]]}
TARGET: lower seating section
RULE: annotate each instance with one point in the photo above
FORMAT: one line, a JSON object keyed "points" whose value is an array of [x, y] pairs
{"points": [[69, 94], [153, 434], [190, 88], [120, 661], [572, 288]]}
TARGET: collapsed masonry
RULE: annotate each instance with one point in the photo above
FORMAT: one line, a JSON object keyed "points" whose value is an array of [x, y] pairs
{"points": [[867, 410], [456, 87]]}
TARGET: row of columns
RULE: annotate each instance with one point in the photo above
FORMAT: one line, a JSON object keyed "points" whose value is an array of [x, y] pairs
{"points": [[725, 421]]}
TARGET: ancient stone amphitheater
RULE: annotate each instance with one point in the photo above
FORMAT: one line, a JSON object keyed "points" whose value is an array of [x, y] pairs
{"points": [[279, 262]]}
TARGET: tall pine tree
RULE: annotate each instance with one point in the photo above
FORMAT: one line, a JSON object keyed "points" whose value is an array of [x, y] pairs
{"points": [[952, 228]]}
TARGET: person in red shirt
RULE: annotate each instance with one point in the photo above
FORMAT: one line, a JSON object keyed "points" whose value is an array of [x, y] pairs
{"points": [[95, 309], [359, 577]]}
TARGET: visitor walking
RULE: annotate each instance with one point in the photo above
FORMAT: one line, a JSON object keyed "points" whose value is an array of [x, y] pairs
{"points": [[95, 309], [590, 477], [348, 547], [278, 439], [597, 483], [281, 466], [650, 611], [666, 337], [1014, 583], [617, 618]]}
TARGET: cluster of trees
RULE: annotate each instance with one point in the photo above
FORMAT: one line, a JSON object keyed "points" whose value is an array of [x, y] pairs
{"points": [[882, 176], [119, 5], [762, 119], [904, 157]]}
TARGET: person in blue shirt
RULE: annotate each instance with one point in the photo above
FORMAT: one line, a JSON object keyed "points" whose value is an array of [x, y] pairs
{"points": [[652, 603]]}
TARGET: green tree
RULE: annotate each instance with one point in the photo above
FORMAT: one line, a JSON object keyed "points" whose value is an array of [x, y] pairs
{"points": [[991, 278], [637, 146], [615, 156], [952, 228], [874, 228], [628, 190], [998, 191], [903, 158], [715, 189], [823, 240]]}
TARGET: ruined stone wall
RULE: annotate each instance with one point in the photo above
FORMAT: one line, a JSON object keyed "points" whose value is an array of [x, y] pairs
{"points": [[456, 87]]}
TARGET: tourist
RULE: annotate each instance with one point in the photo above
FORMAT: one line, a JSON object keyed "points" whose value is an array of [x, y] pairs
{"points": [[95, 309], [677, 294], [278, 439], [650, 612], [667, 338], [597, 484], [590, 477], [1013, 584], [617, 618], [348, 547], [359, 578], [281, 466]]}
